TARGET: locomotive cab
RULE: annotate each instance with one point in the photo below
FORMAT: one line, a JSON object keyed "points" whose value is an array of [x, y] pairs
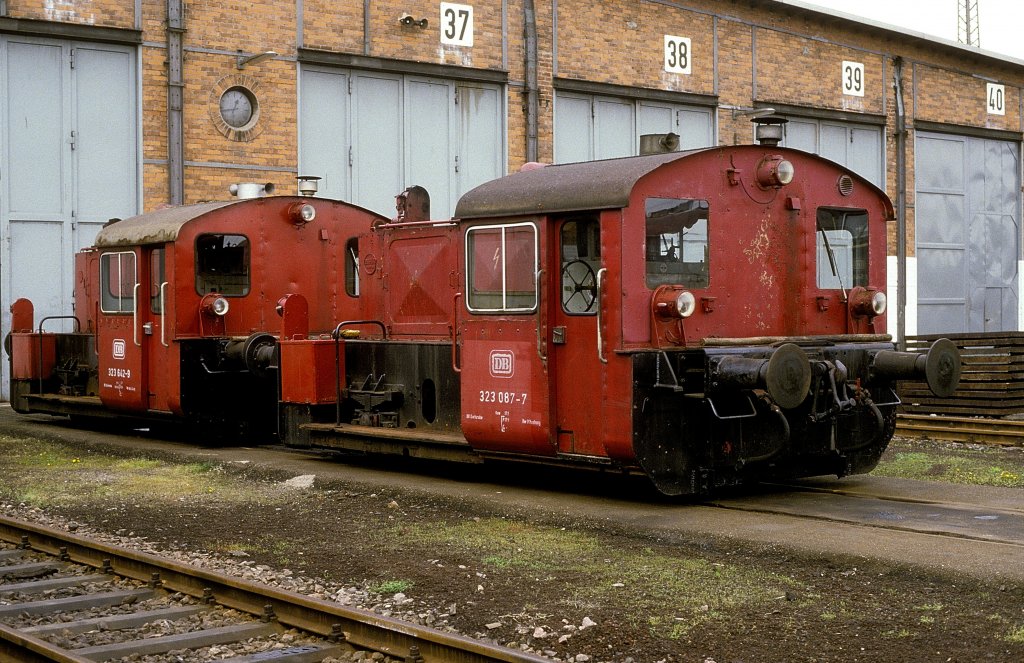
{"points": [[177, 312], [709, 317]]}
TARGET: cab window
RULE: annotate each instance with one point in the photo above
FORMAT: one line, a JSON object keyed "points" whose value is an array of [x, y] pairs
{"points": [[157, 287], [222, 264], [677, 242], [842, 255], [580, 261], [352, 267], [502, 268], [117, 282]]}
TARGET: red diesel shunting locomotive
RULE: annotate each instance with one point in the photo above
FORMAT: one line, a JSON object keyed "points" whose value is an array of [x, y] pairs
{"points": [[705, 317]]}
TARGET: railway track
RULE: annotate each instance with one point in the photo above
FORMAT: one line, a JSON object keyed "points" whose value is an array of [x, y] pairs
{"points": [[998, 521], [68, 599], [997, 432]]}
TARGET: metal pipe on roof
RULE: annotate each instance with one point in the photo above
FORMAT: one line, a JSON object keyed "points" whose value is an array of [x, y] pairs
{"points": [[901, 205], [532, 87], [175, 101]]}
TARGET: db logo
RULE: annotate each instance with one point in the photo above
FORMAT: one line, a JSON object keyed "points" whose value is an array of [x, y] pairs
{"points": [[118, 349], [502, 364]]}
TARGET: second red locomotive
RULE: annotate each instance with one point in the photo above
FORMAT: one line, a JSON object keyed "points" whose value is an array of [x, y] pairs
{"points": [[706, 317]]}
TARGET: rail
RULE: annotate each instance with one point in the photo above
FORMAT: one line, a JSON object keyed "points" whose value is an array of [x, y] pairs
{"points": [[996, 432], [357, 627]]}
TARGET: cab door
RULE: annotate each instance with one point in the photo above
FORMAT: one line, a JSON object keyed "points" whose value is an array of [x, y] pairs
{"points": [[574, 361], [504, 379], [158, 347], [120, 347]]}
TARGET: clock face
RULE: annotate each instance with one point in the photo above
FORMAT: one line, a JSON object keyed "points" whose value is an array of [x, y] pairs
{"points": [[237, 106]]}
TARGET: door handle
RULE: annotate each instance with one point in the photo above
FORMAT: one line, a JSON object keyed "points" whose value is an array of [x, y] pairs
{"points": [[600, 341]]}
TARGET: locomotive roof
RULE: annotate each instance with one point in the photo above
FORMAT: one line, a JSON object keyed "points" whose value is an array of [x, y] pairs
{"points": [[156, 227], [566, 187]]}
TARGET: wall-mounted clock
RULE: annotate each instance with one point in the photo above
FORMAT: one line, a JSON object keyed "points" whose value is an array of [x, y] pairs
{"points": [[235, 107]]}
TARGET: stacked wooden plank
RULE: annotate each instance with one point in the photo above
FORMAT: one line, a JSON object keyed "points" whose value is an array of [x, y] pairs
{"points": [[991, 384]]}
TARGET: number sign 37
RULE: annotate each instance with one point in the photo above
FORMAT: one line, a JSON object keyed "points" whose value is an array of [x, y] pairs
{"points": [[456, 24]]}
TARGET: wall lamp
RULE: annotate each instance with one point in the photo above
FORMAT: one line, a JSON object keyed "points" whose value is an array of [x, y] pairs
{"points": [[752, 112], [244, 59], [407, 19]]}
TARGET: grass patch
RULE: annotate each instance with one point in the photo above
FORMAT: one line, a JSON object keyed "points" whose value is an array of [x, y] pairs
{"points": [[391, 587], [666, 594], [978, 469], [1016, 635], [47, 474]]}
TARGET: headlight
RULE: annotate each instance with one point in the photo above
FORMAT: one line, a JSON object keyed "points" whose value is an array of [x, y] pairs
{"points": [[784, 172], [686, 304], [878, 303], [867, 302], [302, 213], [774, 171], [217, 306], [672, 302]]}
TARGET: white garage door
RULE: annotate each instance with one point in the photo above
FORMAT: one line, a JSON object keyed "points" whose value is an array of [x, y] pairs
{"points": [[370, 135], [856, 146], [69, 161], [968, 233], [589, 127]]}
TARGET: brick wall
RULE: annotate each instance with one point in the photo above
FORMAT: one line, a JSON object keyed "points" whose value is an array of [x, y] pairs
{"points": [[745, 52]]}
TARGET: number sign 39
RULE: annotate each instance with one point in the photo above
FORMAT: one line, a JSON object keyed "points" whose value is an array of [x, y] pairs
{"points": [[456, 24], [853, 78], [677, 54], [996, 99]]}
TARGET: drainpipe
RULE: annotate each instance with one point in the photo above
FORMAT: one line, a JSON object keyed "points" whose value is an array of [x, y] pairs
{"points": [[175, 95], [530, 18], [901, 205]]}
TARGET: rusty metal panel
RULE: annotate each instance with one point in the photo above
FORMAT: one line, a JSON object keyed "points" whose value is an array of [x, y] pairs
{"points": [[589, 185], [156, 227]]}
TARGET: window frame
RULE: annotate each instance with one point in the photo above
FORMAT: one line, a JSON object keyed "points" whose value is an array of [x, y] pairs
{"points": [[105, 296], [248, 265], [504, 309], [863, 247], [694, 280], [579, 220]]}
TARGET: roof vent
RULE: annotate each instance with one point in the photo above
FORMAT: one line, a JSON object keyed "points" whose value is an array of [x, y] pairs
{"points": [[246, 190], [658, 143], [769, 130], [308, 185]]}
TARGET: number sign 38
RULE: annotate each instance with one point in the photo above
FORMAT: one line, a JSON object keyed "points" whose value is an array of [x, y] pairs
{"points": [[677, 54]]}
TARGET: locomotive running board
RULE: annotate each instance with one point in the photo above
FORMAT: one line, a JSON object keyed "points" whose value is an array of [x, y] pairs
{"points": [[412, 443]]}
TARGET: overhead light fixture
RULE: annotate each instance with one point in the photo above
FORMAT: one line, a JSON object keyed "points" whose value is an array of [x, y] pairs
{"points": [[244, 59], [752, 112], [407, 19]]}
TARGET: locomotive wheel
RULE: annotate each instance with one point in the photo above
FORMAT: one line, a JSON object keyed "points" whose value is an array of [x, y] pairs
{"points": [[942, 368], [788, 376], [578, 277]]}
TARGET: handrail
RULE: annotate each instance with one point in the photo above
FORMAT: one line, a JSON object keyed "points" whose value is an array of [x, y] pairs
{"points": [[336, 335], [600, 341], [455, 332], [135, 314], [39, 337], [163, 315], [540, 315]]}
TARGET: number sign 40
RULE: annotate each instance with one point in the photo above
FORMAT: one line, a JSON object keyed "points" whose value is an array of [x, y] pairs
{"points": [[996, 95], [677, 54], [456, 24]]}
